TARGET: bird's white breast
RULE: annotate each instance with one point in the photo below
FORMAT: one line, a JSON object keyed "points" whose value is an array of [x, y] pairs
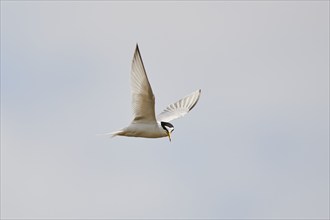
{"points": [[143, 130]]}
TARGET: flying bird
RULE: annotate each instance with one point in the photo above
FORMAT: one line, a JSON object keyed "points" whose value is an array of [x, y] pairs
{"points": [[145, 123]]}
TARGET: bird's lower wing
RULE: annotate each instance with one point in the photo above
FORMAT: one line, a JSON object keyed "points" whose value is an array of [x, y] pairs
{"points": [[179, 108]]}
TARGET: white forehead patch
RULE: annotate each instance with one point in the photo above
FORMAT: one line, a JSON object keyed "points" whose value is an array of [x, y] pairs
{"points": [[169, 129]]}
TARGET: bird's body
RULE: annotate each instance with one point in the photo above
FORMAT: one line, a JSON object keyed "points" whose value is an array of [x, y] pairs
{"points": [[139, 130], [145, 123]]}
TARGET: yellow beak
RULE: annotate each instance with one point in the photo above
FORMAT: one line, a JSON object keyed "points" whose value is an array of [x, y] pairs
{"points": [[169, 135]]}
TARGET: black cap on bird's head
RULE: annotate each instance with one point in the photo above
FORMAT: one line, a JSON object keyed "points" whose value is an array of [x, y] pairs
{"points": [[168, 127]]}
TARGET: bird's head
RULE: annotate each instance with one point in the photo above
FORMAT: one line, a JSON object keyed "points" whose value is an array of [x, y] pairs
{"points": [[168, 127]]}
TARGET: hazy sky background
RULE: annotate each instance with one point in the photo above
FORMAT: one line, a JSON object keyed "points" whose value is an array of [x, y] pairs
{"points": [[255, 146]]}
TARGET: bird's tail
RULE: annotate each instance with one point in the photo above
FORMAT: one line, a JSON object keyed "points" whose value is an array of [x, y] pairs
{"points": [[111, 134]]}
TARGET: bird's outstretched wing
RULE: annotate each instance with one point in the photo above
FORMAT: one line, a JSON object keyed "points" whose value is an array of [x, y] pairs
{"points": [[179, 108], [143, 99]]}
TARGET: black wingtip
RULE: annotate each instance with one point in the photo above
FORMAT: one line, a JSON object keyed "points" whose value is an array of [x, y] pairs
{"points": [[137, 50], [199, 94]]}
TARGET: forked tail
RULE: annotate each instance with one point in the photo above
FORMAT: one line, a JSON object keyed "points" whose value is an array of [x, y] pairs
{"points": [[111, 134], [116, 133]]}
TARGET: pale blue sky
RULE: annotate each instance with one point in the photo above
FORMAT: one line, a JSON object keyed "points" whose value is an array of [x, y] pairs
{"points": [[255, 146]]}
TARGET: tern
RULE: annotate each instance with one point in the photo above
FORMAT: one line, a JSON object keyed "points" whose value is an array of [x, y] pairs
{"points": [[145, 123]]}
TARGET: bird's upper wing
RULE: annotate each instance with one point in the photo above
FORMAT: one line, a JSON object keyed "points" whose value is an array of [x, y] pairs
{"points": [[143, 99], [179, 108]]}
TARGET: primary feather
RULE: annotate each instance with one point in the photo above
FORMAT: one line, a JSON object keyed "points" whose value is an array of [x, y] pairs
{"points": [[143, 99]]}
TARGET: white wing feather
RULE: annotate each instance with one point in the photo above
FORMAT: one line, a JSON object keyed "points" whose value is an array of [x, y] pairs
{"points": [[143, 99], [179, 108]]}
